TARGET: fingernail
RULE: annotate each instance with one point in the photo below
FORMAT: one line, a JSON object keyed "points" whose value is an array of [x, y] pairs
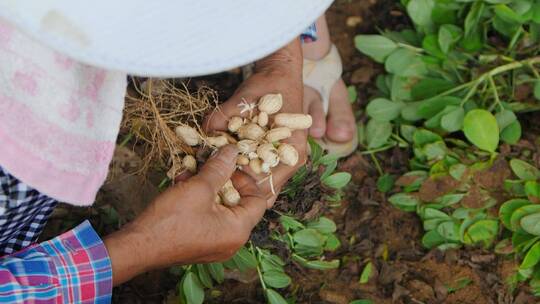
{"points": [[228, 152]]}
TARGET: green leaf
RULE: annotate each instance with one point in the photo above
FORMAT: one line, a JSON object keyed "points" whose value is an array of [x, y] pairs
{"points": [[422, 137], [524, 170], [332, 243], [309, 237], [532, 189], [273, 297], [483, 231], [453, 121], [383, 109], [429, 87], [430, 107], [316, 264], [512, 134], [507, 14], [449, 230], [457, 171], [216, 271], [431, 45], [361, 301], [404, 201], [289, 223], [450, 199], [337, 180], [537, 90], [375, 46], [385, 183], [366, 273], [244, 259], [532, 257], [276, 279], [432, 239], [420, 12], [531, 223], [204, 276], [519, 213], [271, 262], [449, 34], [404, 62], [508, 207], [473, 18], [505, 118], [481, 129], [193, 289], [378, 133], [323, 225], [352, 93], [315, 149]]}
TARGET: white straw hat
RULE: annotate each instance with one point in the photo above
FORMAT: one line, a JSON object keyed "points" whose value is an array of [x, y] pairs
{"points": [[164, 38]]}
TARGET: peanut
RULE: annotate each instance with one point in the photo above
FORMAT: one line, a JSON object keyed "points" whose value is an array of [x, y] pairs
{"points": [[255, 119], [268, 154], [246, 146], [262, 119], [190, 163], [242, 160], [251, 131], [265, 167], [293, 121], [287, 154], [271, 103], [255, 165], [235, 123], [229, 194], [188, 135], [278, 134], [217, 141]]}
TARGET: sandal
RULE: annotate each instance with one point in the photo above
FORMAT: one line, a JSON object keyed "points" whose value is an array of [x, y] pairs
{"points": [[321, 75]]}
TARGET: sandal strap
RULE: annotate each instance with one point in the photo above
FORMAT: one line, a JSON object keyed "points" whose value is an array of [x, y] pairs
{"points": [[322, 74]]}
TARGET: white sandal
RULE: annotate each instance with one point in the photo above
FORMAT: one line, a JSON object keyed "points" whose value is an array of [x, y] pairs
{"points": [[322, 75]]}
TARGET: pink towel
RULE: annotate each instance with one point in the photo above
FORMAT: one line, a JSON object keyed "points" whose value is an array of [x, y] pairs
{"points": [[59, 119]]}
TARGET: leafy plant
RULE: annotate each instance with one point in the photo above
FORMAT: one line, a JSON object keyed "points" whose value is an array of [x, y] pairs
{"points": [[456, 82]]}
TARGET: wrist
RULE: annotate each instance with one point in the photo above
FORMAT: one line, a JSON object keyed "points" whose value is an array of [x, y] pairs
{"points": [[129, 253], [285, 60]]}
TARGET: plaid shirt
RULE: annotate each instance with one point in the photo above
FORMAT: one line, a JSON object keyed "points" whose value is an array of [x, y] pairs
{"points": [[71, 268]]}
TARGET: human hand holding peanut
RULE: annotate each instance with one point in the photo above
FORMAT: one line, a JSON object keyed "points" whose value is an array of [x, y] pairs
{"points": [[279, 73], [184, 225]]}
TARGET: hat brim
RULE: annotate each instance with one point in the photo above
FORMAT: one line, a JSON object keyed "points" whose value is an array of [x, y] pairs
{"points": [[164, 38]]}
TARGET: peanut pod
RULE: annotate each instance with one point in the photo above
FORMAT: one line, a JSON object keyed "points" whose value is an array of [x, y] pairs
{"points": [[188, 135], [278, 134], [293, 121], [270, 103]]}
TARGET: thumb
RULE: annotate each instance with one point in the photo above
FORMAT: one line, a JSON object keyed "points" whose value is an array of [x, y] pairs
{"points": [[219, 168]]}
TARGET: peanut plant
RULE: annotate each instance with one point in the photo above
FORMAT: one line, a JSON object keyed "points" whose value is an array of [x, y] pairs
{"points": [[456, 82]]}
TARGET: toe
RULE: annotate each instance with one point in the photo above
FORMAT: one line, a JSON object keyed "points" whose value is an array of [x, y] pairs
{"points": [[315, 108], [341, 123]]}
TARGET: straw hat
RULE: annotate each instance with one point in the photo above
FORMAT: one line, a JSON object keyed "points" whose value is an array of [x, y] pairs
{"points": [[164, 38]]}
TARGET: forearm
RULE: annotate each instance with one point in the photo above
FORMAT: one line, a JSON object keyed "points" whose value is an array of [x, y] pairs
{"points": [[129, 253]]}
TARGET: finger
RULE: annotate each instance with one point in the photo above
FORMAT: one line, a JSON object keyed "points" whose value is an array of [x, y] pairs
{"points": [[250, 210], [219, 118], [182, 177], [219, 168]]}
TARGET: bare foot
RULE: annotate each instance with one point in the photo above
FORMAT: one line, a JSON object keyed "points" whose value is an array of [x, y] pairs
{"points": [[339, 124]]}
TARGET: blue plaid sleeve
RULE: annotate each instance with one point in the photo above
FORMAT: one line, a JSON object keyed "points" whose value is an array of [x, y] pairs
{"points": [[71, 268], [309, 34]]}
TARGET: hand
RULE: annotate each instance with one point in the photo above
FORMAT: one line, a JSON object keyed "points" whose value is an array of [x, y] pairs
{"points": [[280, 72], [184, 225]]}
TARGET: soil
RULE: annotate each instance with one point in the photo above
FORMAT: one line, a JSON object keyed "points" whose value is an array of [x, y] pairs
{"points": [[369, 228]]}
